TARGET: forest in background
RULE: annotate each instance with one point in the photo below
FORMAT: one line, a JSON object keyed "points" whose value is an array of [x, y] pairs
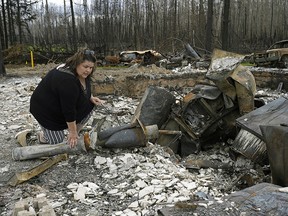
{"points": [[110, 26]]}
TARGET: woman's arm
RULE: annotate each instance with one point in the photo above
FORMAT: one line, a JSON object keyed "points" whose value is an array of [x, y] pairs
{"points": [[72, 134], [96, 100]]}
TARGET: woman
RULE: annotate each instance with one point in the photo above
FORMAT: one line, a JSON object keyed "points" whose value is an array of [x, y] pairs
{"points": [[63, 99]]}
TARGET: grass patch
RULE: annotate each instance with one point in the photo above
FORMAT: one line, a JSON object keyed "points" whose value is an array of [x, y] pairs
{"points": [[248, 64]]}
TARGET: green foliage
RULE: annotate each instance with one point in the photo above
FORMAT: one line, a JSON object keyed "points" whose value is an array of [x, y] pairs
{"points": [[248, 64]]}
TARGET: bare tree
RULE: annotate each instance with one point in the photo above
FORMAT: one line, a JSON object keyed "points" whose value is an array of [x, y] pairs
{"points": [[209, 26], [136, 24], [113, 24], [74, 33], [18, 21], [201, 22], [225, 26], [4, 26], [2, 67]]}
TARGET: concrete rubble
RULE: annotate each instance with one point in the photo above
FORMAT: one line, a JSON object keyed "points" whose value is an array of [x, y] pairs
{"points": [[37, 206], [149, 180]]}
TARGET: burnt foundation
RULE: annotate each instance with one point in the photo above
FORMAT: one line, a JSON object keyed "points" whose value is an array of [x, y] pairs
{"points": [[136, 84]]}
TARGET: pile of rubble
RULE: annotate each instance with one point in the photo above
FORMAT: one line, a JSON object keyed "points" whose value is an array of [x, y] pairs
{"points": [[193, 172], [106, 181]]}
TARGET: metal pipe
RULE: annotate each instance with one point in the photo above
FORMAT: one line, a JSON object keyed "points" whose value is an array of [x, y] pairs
{"points": [[47, 150]]}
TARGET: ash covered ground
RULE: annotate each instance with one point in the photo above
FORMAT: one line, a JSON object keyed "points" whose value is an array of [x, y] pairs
{"points": [[137, 181]]}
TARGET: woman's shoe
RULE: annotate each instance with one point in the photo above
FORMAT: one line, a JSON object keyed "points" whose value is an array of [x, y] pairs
{"points": [[40, 138]]}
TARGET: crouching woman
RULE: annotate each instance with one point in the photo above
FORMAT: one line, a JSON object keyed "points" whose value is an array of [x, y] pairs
{"points": [[63, 99]]}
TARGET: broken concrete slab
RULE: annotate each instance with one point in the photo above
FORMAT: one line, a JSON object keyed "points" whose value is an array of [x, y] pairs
{"points": [[33, 206]]}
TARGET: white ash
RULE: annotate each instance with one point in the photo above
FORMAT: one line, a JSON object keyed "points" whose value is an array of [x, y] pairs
{"points": [[189, 69]]}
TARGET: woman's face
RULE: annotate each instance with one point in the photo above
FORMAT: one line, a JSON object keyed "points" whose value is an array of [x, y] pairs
{"points": [[84, 69]]}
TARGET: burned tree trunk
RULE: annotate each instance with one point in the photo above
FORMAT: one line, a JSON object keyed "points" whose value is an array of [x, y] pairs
{"points": [[209, 26], [2, 67], [74, 33], [225, 32]]}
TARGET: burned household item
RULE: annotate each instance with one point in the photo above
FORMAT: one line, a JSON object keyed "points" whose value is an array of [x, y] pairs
{"points": [[276, 138], [152, 111], [250, 146], [235, 81], [126, 136], [130, 135], [250, 140], [204, 119], [209, 111], [154, 107]]}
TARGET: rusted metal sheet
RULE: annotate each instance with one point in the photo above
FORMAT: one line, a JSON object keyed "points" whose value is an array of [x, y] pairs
{"points": [[170, 140], [234, 80], [245, 89]]}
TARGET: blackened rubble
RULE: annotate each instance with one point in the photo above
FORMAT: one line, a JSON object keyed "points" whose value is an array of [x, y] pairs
{"points": [[135, 181]]}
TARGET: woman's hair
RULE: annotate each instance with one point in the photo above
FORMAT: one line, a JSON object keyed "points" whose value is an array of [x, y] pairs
{"points": [[78, 58]]}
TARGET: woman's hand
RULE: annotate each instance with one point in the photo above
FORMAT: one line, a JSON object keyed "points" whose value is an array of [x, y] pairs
{"points": [[72, 139], [97, 101]]}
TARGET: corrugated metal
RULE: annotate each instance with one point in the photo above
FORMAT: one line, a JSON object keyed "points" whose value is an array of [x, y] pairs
{"points": [[250, 146]]}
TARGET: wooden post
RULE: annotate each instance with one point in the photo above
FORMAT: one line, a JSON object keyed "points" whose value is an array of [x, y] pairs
{"points": [[32, 59]]}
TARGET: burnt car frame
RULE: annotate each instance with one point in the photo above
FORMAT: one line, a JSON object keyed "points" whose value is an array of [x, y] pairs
{"points": [[276, 55], [145, 57]]}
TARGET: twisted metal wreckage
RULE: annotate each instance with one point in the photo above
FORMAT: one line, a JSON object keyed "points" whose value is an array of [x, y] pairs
{"points": [[221, 109]]}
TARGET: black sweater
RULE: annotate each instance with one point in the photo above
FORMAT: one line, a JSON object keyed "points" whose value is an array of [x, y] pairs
{"points": [[59, 98]]}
